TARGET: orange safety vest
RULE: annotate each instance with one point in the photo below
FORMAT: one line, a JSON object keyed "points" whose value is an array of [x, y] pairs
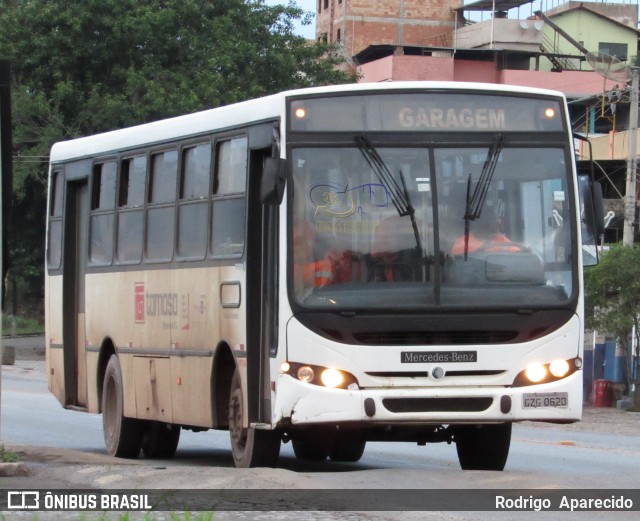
{"points": [[498, 242], [316, 274]]}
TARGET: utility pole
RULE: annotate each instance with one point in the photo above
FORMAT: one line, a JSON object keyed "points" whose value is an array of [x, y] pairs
{"points": [[632, 163], [6, 182]]}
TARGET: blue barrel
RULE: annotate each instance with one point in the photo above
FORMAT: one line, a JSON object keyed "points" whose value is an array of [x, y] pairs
{"points": [[614, 361], [598, 360]]}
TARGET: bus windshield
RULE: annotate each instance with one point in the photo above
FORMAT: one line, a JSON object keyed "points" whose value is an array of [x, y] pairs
{"points": [[389, 227]]}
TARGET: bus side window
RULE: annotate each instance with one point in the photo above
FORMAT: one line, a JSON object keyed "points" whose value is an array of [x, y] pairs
{"points": [[133, 173], [193, 207], [103, 195], [229, 198], [161, 206], [54, 247]]}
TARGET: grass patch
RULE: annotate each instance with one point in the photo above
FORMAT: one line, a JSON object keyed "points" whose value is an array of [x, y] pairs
{"points": [[24, 325], [7, 456]]}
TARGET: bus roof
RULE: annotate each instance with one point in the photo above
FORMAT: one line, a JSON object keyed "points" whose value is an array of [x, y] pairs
{"points": [[243, 113]]}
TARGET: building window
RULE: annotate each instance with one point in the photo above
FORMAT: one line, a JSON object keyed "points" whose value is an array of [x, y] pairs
{"points": [[619, 50], [339, 35], [326, 4]]}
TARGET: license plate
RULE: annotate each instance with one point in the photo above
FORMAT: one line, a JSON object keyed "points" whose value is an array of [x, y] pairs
{"points": [[536, 400]]}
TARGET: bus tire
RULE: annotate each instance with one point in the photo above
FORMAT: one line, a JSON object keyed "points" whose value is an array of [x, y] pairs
{"points": [[483, 447], [307, 449], [250, 447], [347, 450], [122, 435], [160, 440]]}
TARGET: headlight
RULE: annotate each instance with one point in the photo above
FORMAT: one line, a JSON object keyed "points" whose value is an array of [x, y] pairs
{"points": [[331, 378], [538, 373], [535, 372], [559, 368], [305, 374], [317, 375]]}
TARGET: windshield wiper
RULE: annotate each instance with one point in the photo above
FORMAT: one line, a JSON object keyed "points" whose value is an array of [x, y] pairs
{"points": [[398, 192], [475, 201]]}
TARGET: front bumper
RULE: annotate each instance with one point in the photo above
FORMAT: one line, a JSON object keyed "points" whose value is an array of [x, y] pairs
{"points": [[299, 403]]}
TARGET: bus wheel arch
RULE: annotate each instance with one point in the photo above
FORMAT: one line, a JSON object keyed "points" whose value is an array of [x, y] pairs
{"points": [[224, 366], [107, 349]]}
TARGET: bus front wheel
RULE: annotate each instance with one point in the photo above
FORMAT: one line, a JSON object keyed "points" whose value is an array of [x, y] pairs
{"points": [[347, 450], [483, 447], [250, 447], [122, 435], [308, 449]]}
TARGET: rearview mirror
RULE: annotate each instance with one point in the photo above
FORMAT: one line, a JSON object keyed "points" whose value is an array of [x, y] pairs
{"points": [[274, 177]]}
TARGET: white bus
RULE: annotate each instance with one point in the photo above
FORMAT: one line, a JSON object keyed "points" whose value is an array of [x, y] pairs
{"points": [[328, 266]]}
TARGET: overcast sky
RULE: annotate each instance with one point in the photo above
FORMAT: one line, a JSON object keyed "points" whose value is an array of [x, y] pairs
{"points": [[309, 31]]}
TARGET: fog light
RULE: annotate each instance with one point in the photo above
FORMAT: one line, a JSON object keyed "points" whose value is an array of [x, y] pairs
{"points": [[306, 374], [536, 372], [559, 368], [331, 378]]}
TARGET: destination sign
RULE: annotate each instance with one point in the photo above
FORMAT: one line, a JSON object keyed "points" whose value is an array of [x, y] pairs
{"points": [[430, 111]]}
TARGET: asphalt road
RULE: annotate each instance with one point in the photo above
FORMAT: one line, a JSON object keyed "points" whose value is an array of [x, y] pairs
{"points": [[65, 449]]}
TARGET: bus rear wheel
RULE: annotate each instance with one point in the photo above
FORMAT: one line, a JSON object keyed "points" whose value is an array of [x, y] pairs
{"points": [[122, 435], [483, 447], [160, 440], [250, 447]]}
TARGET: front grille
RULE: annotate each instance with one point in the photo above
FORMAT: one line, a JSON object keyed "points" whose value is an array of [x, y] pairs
{"points": [[424, 374], [405, 405], [398, 338]]}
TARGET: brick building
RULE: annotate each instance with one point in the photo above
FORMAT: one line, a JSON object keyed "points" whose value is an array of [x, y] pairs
{"points": [[357, 24]]}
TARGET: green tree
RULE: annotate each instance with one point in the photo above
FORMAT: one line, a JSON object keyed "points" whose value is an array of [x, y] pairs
{"points": [[86, 66], [612, 303]]}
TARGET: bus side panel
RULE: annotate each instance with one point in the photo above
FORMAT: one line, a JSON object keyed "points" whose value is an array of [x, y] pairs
{"points": [[116, 310], [152, 380], [194, 335], [93, 401], [191, 396], [211, 313], [53, 337]]}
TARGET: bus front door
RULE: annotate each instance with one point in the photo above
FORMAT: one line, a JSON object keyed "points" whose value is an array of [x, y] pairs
{"points": [[73, 297]]}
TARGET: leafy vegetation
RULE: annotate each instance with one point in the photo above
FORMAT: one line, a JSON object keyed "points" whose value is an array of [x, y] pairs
{"points": [[80, 67], [24, 325], [612, 290], [7, 456]]}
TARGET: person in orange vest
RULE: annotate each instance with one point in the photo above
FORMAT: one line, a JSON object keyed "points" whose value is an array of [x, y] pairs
{"points": [[308, 272], [334, 268], [481, 240]]}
